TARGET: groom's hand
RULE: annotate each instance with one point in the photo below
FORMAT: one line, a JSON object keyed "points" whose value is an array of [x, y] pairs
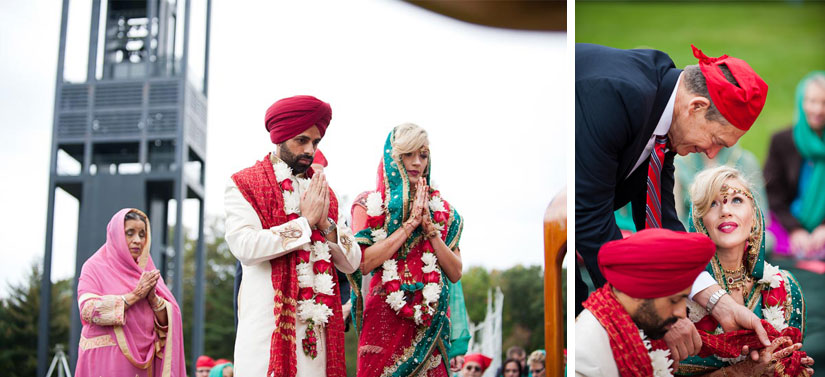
{"points": [[683, 340], [312, 201]]}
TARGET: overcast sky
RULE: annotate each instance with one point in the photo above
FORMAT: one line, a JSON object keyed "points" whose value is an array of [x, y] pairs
{"points": [[491, 100]]}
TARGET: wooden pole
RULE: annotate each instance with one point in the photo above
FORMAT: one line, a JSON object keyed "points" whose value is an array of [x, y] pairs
{"points": [[555, 247]]}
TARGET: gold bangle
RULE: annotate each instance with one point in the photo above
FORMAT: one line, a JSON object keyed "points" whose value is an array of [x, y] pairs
{"points": [[160, 306], [724, 373]]}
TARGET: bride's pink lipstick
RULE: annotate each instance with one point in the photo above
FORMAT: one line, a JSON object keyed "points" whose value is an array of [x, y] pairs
{"points": [[413, 173], [727, 227]]}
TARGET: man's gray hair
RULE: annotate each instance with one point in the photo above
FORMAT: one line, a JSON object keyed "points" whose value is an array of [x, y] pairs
{"points": [[696, 84]]}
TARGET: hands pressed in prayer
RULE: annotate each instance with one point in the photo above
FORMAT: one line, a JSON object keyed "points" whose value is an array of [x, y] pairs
{"points": [[315, 200], [683, 340], [146, 284], [418, 207]]}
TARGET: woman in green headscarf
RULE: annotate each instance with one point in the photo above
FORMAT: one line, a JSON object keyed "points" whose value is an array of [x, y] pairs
{"points": [[724, 209], [795, 174], [409, 236]]}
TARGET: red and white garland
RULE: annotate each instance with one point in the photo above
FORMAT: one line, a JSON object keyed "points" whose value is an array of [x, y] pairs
{"points": [[659, 358], [420, 309], [314, 269]]}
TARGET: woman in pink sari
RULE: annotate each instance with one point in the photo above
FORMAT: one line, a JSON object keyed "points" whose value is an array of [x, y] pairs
{"points": [[131, 321]]}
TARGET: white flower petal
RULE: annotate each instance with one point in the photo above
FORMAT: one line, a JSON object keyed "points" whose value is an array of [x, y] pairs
{"points": [[378, 235], [282, 171], [305, 309], [374, 203], [771, 275], [417, 314], [436, 205], [428, 258], [292, 202], [775, 316], [396, 300], [324, 284], [431, 292], [320, 251]]}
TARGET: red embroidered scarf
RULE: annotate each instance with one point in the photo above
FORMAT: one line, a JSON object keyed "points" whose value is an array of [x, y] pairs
{"points": [[632, 358], [260, 188]]}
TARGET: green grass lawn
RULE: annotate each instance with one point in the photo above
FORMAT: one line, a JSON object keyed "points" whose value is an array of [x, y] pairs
{"points": [[782, 41]]}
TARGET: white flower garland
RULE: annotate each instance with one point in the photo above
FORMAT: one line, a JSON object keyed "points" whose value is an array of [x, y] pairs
{"points": [[771, 276], [659, 359], [308, 310], [775, 315], [431, 291]]}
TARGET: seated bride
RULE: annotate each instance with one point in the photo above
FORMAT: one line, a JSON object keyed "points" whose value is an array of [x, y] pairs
{"points": [[723, 208]]}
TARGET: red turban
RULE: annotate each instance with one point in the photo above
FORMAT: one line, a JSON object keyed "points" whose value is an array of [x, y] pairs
{"points": [[222, 361], [478, 358], [289, 117], [655, 263], [204, 362], [739, 105], [319, 158]]}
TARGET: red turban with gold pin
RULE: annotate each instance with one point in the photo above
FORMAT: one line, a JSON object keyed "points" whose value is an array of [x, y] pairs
{"points": [[288, 117], [655, 263]]}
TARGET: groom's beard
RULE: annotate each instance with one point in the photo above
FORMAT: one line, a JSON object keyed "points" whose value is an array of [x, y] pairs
{"points": [[650, 322], [298, 163]]}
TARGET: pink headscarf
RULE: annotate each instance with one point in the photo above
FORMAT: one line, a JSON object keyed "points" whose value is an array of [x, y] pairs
{"points": [[112, 271]]}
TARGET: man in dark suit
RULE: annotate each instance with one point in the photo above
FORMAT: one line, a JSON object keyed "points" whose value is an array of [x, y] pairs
{"points": [[634, 112]]}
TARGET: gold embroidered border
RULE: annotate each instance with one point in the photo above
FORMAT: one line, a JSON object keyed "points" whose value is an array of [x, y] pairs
{"points": [[167, 359], [431, 363], [789, 278], [124, 348], [405, 354], [96, 342], [85, 297], [370, 349]]}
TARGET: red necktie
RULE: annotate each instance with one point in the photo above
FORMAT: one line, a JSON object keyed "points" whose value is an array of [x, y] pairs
{"points": [[653, 209]]}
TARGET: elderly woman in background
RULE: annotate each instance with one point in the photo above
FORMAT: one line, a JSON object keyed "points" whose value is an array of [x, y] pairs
{"points": [[724, 209], [131, 321], [795, 175]]}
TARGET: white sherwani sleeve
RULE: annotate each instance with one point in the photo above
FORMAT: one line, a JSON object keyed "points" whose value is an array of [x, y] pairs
{"points": [[247, 239], [594, 357]]}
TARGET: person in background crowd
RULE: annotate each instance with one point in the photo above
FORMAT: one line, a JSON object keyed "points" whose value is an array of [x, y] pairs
{"points": [[536, 363], [203, 366], [474, 365], [516, 353], [795, 175], [510, 368], [223, 368]]}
